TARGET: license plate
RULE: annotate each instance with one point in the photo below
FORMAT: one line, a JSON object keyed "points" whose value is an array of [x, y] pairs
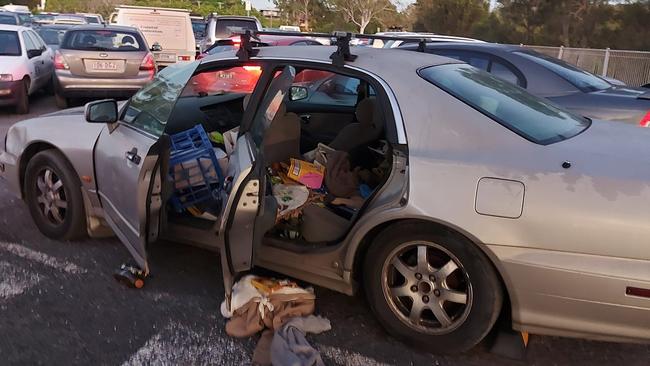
{"points": [[171, 57], [104, 66]]}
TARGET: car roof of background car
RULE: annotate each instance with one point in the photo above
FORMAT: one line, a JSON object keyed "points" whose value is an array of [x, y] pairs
{"points": [[111, 27], [10, 27], [468, 46], [242, 17]]}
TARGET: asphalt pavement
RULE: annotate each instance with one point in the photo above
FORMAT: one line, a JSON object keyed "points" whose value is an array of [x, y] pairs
{"points": [[60, 305]]}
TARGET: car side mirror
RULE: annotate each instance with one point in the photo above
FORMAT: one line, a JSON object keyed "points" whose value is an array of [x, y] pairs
{"points": [[34, 53], [298, 93], [156, 47], [101, 111]]}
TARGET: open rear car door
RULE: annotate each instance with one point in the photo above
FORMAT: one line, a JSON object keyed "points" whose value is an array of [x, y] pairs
{"points": [[130, 162], [249, 212]]}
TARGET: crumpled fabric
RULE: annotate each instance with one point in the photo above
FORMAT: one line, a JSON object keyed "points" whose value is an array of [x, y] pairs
{"points": [[289, 346]]}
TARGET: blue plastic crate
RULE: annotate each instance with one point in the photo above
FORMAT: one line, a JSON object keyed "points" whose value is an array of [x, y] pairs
{"points": [[199, 173]]}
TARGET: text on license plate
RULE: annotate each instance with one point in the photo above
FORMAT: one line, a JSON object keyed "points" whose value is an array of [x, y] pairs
{"points": [[104, 65]]}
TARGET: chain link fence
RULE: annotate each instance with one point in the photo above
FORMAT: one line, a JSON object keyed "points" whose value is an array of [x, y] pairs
{"points": [[630, 67]]}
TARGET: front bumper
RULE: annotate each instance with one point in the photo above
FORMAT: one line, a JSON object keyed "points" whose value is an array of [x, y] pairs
{"points": [[72, 86], [9, 172], [9, 92]]}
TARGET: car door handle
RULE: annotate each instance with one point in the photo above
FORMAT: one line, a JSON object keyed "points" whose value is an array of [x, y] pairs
{"points": [[133, 156]]}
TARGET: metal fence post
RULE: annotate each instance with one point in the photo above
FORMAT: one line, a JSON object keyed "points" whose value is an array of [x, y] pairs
{"points": [[605, 63], [561, 52]]}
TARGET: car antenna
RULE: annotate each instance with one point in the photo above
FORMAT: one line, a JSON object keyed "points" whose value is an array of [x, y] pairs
{"points": [[342, 52], [246, 50]]}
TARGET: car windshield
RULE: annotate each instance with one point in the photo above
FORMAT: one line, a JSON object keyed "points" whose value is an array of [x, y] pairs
{"points": [[531, 117], [51, 36], [103, 40], [8, 19], [25, 18], [228, 27], [580, 79], [149, 108], [9, 44], [92, 20], [198, 27]]}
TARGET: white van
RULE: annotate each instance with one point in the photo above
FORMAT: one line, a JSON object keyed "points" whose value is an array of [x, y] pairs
{"points": [[169, 28]]}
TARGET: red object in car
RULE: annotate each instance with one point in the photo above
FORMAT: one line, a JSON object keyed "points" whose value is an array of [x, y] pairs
{"points": [[645, 121]]}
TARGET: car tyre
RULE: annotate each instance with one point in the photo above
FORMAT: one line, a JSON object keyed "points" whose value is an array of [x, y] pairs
{"points": [[22, 98], [61, 101], [431, 288], [53, 195]]}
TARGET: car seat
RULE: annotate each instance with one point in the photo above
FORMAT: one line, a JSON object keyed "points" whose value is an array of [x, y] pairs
{"points": [[367, 129], [282, 138]]}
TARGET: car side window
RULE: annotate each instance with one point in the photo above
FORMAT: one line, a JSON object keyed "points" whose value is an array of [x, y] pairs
{"points": [[37, 40], [477, 60], [502, 71], [29, 42], [328, 88]]}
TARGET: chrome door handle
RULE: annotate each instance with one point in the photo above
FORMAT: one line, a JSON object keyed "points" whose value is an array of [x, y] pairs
{"points": [[133, 156]]}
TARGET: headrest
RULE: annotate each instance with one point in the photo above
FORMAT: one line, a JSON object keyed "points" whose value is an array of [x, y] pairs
{"points": [[368, 113]]}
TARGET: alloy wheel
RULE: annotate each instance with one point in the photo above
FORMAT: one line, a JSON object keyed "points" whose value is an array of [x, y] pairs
{"points": [[426, 287], [51, 197]]}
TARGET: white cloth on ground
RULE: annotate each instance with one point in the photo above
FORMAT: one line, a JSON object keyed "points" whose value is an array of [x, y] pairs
{"points": [[290, 347]]}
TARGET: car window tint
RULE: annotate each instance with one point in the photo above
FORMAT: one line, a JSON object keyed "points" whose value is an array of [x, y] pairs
{"points": [[533, 118], [579, 78], [29, 42], [9, 44], [328, 88], [228, 27], [103, 40], [149, 108], [51, 36], [8, 19], [501, 71], [233, 80]]}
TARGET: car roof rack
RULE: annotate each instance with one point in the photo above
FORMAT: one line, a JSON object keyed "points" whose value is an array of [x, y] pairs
{"points": [[341, 40]]}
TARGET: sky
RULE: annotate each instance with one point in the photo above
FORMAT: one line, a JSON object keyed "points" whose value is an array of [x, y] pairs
{"points": [[267, 4]]}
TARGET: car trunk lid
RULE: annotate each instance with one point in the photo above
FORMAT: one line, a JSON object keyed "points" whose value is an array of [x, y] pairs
{"points": [[103, 64]]}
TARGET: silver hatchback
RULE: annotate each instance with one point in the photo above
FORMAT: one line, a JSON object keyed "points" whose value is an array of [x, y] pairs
{"points": [[101, 61]]}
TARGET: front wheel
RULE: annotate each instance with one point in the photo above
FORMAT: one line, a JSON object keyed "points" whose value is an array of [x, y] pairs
{"points": [[53, 195], [431, 288]]}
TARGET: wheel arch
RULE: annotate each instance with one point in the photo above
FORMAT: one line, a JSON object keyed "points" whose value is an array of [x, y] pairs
{"points": [[361, 250]]}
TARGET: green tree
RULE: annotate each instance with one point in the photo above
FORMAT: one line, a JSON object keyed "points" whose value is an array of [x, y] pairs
{"points": [[453, 17]]}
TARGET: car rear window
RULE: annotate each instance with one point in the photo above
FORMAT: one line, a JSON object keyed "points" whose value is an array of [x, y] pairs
{"points": [[227, 27], [8, 19], [92, 20], [103, 40], [579, 78], [51, 36], [9, 44], [531, 117]]}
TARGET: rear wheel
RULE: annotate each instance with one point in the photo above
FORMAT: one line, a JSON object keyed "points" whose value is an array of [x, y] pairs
{"points": [[61, 101], [431, 288], [22, 98], [53, 195]]}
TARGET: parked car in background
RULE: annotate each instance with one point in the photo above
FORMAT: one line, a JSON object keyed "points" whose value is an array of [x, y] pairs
{"points": [[44, 18], [221, 27], [168, 31], [430, 37], [101, 61], [290, 28], [69, 19], [92, 18], [490, 202], [25, 66], [198, 27], [11, 18], [53, 34], [576, 90]]}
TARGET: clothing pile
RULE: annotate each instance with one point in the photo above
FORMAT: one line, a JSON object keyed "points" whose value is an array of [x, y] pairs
{"points": [[282, 311], [319, 194]]}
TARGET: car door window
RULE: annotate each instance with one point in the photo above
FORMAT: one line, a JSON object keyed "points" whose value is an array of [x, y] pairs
{"points": [[149, 109], [504, 72], [29, 43], [37, 40], [327, 88]]}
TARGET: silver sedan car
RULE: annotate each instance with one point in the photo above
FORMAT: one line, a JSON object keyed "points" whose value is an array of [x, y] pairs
{"points": [[455, 197]]}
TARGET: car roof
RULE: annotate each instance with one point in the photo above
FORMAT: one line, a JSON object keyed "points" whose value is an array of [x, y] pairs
{"points": [[469, 46], [239, 17], [375, 60], [9, 27], [101, 26]]}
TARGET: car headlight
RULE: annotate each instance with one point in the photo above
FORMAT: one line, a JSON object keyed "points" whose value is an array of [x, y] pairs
{"points": [[6, 77]]}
